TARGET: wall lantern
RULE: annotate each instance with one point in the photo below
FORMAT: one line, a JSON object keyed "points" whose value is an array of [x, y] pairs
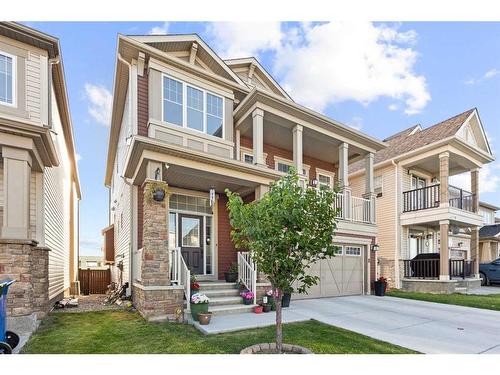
{"points": [[314, 182], [375, 247], [212, 197]]}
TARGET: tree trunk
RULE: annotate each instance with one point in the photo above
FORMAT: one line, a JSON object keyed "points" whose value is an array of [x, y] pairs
{"points": [[279, 330]]}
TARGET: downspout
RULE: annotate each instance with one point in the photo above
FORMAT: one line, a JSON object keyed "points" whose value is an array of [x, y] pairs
{"points": [[397, 228], [52, 61], [130, 244]]}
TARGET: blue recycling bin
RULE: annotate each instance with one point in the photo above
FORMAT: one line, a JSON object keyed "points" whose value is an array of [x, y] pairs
{"points": [[8, 340]]}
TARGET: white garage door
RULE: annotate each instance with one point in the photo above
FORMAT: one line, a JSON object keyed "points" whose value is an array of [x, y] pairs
{"points": [[341, 275]]}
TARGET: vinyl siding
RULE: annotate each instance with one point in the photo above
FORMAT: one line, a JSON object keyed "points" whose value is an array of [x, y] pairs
{"points": [[122, 194], [34, 86], [57, 211]]}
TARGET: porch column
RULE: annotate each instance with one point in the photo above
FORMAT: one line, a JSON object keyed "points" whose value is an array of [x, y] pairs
{"points": [[297, 148], [474, 183], [16, 186], [258, 137], [444, 252], [260, 191], [474, 249], [369, 185], [238, 144], [344, 180], [444, 172]]}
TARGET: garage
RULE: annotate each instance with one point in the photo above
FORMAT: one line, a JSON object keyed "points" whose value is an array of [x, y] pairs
{"points": [[341, 275]]}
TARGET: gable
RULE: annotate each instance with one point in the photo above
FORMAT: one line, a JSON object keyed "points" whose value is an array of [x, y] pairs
{"points": [[472, 133], [192, 49], [254, 75]]}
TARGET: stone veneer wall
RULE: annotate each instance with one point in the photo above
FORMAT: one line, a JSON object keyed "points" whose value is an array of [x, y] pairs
{"points": [[157, 304], [23, 261]]}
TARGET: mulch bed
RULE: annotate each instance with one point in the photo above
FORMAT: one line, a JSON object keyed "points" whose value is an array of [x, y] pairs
{"points": [[93, 302]]}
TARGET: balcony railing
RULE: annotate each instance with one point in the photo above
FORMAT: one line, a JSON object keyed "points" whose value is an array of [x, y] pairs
{"points": [[429, 269], [355, 209], [428, 197]]}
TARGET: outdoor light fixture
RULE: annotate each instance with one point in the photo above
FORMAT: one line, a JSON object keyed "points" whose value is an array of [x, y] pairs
{"points": [[212, 196], [314, 182], [375, 247]]}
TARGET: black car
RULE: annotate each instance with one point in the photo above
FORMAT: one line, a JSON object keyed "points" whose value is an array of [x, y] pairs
{"points": [[490, 272]]}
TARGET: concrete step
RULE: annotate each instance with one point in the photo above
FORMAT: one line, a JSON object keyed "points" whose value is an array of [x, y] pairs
{"points": [[220, 301], [209, 285], [214, 293], [230, 309]]}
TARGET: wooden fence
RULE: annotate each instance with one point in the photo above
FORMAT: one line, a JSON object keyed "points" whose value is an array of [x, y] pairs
{"points": [[94, 281]]}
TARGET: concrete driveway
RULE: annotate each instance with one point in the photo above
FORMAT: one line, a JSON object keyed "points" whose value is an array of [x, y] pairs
{"points": [[423, 326]]}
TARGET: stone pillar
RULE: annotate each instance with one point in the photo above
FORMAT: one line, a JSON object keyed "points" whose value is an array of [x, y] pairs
{"points": [[298, 149], [154, 296], [258, 137], [40, 280], [474, 183], [238, 144], [444, 252], [474, 249], [444, 172], [16, 180], [155, 258]]}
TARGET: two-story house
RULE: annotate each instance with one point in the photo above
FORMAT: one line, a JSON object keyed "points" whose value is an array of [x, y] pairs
{"points": [[39, 186], [187, 123], [489, 234], [419, 212]]}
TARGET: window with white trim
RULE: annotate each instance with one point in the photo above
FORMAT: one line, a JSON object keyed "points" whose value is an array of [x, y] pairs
{"points": [[352, 250], [283, 165], [378, 185], [191, 107], [7, 79]]}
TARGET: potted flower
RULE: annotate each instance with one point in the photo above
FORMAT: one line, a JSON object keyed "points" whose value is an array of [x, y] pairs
{"points": [[195, 286], [231, 275], [199, 304], [258, 309], [266, 307], [247, 297], [270, 298], [380, 286]]}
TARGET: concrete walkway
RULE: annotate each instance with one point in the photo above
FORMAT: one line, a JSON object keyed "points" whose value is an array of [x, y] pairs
{"points": [[423, 326]]}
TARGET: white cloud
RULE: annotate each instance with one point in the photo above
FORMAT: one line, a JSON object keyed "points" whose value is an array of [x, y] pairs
{"points": [[244, 39], [100, 102], [159, 30], [393, 107], [488, 75], [489, 180], [339, 61], [356, 123], [321, 64]]}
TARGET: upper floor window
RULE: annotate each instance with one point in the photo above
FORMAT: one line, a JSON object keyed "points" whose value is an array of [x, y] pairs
{"points": [[248, 158], [284, 165], [191, 107], [7, 79]]}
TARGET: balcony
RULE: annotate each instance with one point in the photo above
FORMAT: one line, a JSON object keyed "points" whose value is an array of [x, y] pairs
{"points": [[355, 209], [429, 197]]}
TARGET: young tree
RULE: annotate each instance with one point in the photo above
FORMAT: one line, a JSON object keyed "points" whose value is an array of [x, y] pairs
{"points": [[286, 231]]}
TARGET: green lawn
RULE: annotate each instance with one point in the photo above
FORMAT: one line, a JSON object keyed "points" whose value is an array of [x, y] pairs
{"points": [[128, 332], [490, 302]]}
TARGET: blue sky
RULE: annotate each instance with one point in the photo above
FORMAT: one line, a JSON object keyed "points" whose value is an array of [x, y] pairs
{"points": [[381, 78]]}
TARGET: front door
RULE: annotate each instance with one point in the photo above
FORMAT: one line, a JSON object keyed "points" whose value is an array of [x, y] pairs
{"points": [[191, 241]]}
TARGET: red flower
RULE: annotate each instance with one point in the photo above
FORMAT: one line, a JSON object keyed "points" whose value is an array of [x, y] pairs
{"points": [[382, 279], [195, 286]]}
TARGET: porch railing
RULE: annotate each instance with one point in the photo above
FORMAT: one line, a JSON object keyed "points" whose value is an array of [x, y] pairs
{"points": [[421, 198], [247, 273], [354, 208], [430, 268], [428, 197], [180, 273]]}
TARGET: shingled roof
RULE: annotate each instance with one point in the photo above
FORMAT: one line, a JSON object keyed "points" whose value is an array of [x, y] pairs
{"points": [[415, 137], [489, 231]]}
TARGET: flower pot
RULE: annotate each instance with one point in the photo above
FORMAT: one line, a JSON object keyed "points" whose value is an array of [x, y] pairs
{"points": [[197, 308], [258, 309], [231, 277], [159, 195], [247, 301], [380, 288], [266, 308], [285, 300], [204, 318], [271, 302]]}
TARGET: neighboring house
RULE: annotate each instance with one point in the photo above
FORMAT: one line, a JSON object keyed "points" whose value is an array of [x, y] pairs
{"points": [[92, 262], [39, 187], [418, 210], [489, 234], [188, 122]]}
